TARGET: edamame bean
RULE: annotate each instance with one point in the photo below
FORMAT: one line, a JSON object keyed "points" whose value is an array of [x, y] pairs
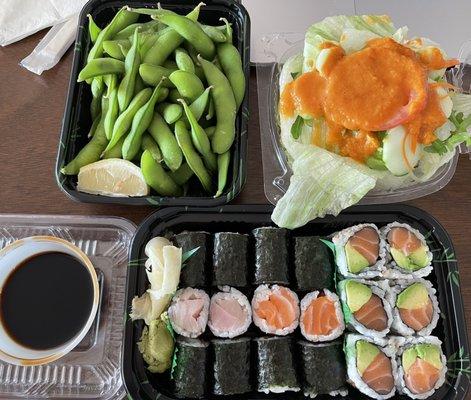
{"points": [[170, 112], [101, 66], [182, 174], [131, 65], [124, 121], [223, 168], [191, 156], [93, 29], [95, 123], [148, 143], [126, 33], [198, 106], [139, 85], [224, 105], [166, 141], [200, 140], [156, 177], [163, 94], [140, 123], [116, 151], [111, 113], [184, 61], [114, 48], [210, 131], [153, 74], [98, 86], [214, 33], [95, 107], [188, 84], [147, 41]]}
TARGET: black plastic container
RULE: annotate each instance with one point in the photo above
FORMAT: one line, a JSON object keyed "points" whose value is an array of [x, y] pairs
{"points": [[451, 328], [77, 119]]}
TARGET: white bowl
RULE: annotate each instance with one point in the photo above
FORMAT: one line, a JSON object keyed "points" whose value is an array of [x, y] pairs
{"points": [[13, 255]]}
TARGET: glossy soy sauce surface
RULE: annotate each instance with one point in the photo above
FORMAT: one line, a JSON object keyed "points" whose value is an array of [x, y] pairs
{"points": [[46, 300]]}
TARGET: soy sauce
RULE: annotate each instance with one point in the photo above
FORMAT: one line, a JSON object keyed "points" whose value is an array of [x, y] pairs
{"points": [[46, 300]]}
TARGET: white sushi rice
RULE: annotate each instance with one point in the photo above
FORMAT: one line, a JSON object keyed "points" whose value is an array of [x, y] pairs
{"points": [[306, 301], [340, 392], [354, 377], [231, 293], [398, 326], [380, 288], [394, 271], [401, 383], [341, 238], [262, 293], [203, 317]]}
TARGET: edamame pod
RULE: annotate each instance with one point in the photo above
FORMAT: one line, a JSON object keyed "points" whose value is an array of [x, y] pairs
{"points": [[163, 94], [97, 86], [188, 84], [111, 113], [170, 64], [126, 33], [95, 107], [140, 123], [116, 151], [191, 156], [139, 85], [156, 177], [171, 152], [210, 113], [174, 95], [182, 174], [171, 112], [214, 33], [210, 131], [198, 106], [95, 123], [199, 139], [223, 168], [131, 65], [148, 143], [225, 107], [153, 74], [184, 61], [101, 66], [93, 29], [114, 48]]}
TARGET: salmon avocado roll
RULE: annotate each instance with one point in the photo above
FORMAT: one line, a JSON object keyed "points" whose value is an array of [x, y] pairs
{"points": [[371, 368], [360, 251], [275, 309], [365, 306], [321, 316]]}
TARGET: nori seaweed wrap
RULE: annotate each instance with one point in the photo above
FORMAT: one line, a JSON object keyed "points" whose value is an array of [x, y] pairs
{"points": [[231, 368], [190, 369], [313, 265], [271, 255], [230, 259], [323, 368], [276, 371], [194, 272]]}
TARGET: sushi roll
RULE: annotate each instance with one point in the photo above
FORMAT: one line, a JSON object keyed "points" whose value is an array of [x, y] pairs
{"points": [[421, 367], [230, 313], [275, 309], [313, 266], [194, 272], [371, 366], [332, 377], [415, 307], [188, 312], [321, 316], [409, 255], [271, 255], [231, 367], [360, 252], [276, 371], [230, 259], [190, 368], [365, 307]]}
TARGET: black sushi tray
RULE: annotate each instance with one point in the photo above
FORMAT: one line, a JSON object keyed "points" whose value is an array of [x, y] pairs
{"points": [[141, 384]]}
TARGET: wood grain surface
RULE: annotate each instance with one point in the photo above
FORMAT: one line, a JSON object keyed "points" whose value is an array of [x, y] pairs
{"points": [[31, 109]]}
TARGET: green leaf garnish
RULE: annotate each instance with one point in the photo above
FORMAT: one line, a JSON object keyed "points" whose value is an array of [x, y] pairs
{"points": [[297, 127], [188, 254], [330, 245]]}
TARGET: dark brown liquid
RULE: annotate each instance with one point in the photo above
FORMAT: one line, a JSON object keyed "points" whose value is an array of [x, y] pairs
{"points": [[46, 300]]}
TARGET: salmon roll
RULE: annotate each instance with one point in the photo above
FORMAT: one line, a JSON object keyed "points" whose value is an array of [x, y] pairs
{"points": [[408, 253], [421, 367], [415, 307], [275, 309], [230, 314], [188, 312], [321, 316], [360, 252], [371, 366], [365, 307]]}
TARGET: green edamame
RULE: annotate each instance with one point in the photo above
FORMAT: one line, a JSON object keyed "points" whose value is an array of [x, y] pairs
{"points": [[124, 47], [170, 64], [127, 33], [153, 74], [214, 33], [116, 151], [124, 121], [171, 152], [114, 48], [148, 143], [93, 29], [210, 131], [163, 94], [171, 112], [184, 61], [210, 113], [140, 123], [188, 84], [156, 177], [223, 168], [94, 127], [95, 107], [131, 65], [191, 156], [224, 105], [97, 86], [101, 66], [111, 113], [199, 139], [198, 106], [139, 85], [182, 174]]}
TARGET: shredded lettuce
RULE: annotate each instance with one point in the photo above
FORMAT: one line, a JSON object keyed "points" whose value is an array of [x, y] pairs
{"points": [[322, 183]]}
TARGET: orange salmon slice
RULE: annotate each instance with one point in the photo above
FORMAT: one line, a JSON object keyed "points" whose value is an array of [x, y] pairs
{"points": [[320, 318], [366, 242], [421, 377], [278, 310], [418, 318], [403, 239], [372, 315], [378, 376]]}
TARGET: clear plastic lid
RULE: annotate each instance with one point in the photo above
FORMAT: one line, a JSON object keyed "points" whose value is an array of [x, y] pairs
{"points": [[93, 369], [276, 170]]}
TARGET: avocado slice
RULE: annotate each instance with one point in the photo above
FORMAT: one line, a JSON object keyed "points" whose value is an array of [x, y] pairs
{"points": [[413, 297], [366, 353], [419, 257], [427, 352], [358, 294], [355, 261], [415, 261], [408, 358]]}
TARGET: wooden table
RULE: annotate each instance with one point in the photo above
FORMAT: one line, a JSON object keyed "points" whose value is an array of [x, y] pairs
{"points": [[31, 109]]}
